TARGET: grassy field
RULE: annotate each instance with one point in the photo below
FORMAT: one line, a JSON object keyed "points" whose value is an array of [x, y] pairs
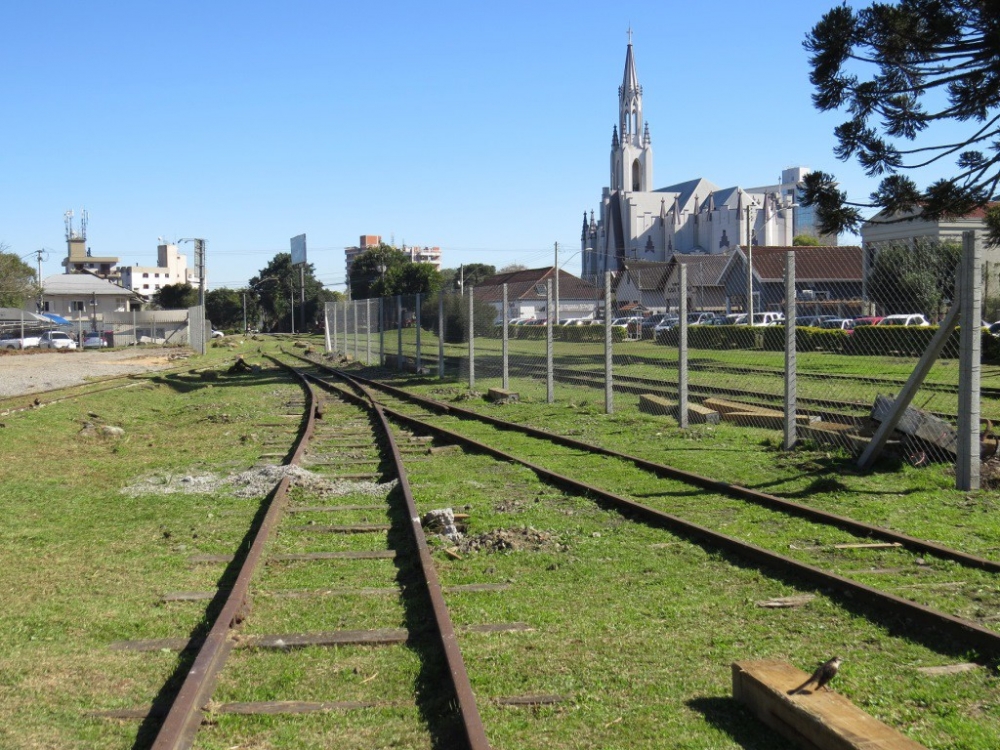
{"points": [[634, 628]]}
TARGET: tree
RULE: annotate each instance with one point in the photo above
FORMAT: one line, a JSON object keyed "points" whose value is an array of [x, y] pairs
{"points": [[917, 277], [370, 269], [470, 274], [936, 61], [17, 280], [805, 240], [175, 297], [412, 278], [224, 307], [511, 267], [278, 284]]}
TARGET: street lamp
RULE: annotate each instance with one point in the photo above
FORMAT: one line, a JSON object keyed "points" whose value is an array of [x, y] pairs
{"points": [[749, 304]]}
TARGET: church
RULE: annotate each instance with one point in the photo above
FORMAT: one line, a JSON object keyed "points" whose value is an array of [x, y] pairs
{"points": [[638, 222]]}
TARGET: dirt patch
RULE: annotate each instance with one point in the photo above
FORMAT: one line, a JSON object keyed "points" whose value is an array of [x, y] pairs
{"points": [[511, 540]]}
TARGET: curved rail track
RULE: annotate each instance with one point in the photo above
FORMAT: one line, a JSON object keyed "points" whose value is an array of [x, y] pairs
{"points": [[897, 550]]}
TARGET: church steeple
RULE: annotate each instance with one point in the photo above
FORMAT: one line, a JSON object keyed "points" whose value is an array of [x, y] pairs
{"points": [[630, 101], [631, 146]]}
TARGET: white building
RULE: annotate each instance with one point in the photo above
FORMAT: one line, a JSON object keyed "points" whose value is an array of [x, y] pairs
{"points": [[641, 223], [84, 299], [171, 268]]}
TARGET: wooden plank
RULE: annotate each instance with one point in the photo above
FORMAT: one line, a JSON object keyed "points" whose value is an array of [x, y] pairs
{"points": [[872, 545], [919, 424], [332, 508], [358, 528], [381, 637], [356, 555], [298, 707], [650, 403], [786, 602], [947, 669], [820, 719], [529, 700]]}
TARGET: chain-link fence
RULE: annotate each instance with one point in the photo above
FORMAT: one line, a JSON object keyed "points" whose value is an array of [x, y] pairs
{"points": [[101, 330], [848, 346]]}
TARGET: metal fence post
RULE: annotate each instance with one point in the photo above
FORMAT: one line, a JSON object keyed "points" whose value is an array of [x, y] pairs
{"points": [[969, 372], [381, 331], [326, 324], [441, 335], [609, 392], [368, 331], [354, 311], [418, 323], [336, 344], [550, 393], [506, 352], [472, 344], [791, 407], [345, 327], [399, 332], [682, 350]]}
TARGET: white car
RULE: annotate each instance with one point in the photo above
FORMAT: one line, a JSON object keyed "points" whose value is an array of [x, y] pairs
{"points": [[217, 334], [56, 340], [912, 319], [14, 341]]}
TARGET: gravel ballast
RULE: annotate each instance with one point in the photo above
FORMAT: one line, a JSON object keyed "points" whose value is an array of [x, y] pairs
{"points": [[35, 371]]}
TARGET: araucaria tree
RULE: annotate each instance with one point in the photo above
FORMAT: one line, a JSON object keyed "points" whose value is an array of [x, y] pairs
{"points": [[898, 70]]}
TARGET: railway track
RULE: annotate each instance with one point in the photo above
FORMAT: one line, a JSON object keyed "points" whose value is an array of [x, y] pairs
{"points": [[862, 562], [299, 528], [353, 561]]}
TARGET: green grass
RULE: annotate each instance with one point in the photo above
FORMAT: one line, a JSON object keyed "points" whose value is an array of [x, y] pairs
{"points": [[633, 627]]}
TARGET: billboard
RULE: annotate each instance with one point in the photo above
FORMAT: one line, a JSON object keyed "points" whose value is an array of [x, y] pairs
{"points": [[298, 250]]}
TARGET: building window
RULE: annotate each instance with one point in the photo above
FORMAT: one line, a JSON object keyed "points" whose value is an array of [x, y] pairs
{"points": [[145, 275], [145, 286], [76, 306]]}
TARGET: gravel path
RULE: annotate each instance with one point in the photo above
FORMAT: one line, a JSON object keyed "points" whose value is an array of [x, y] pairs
{"points": [[32, 371]]}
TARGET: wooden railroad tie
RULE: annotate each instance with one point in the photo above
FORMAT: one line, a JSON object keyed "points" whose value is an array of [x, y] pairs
{"points": [[820, 719], [650, 403]]}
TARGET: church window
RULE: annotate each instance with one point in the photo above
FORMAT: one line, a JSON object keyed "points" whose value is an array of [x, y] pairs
{"points": [[636, 176]]}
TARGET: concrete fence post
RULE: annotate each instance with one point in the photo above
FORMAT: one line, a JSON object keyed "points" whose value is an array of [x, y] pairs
{"points": [[970, 365], [682, 349], [550, 391], [791, 406], [609, 391]]}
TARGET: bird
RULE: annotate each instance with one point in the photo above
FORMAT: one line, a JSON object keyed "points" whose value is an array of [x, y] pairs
{"points": [[823, 674]]}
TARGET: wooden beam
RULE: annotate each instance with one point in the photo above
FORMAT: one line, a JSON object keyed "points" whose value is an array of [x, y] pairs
{"points": [[816, 719]]}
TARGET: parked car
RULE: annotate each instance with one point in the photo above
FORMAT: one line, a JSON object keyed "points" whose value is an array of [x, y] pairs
{"points": [[648, 325], [867, 320], [910, 319], [812, 321], [844, 324], [669, 322], [216, 334], [56, 340], [13, 340], [768, 319], [735, 319], [700, 318], [94, 340], [995, 329]]}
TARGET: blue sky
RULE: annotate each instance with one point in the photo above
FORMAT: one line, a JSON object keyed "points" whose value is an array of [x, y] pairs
{"points": [[483, 129]]}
